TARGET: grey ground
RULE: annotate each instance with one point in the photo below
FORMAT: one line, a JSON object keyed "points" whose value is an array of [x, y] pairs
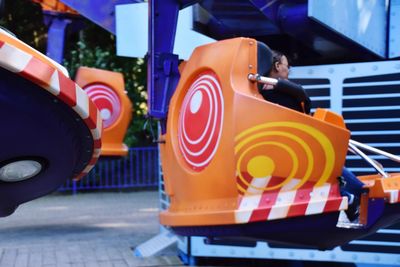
{"points": [[85, 230]]}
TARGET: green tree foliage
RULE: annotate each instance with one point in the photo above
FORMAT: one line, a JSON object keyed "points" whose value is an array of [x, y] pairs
{"points": [[25, 20], [91, 47]]}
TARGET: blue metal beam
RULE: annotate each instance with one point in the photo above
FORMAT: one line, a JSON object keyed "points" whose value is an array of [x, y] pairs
{"points": [[162, 65], [101, 12], [56, 37]]}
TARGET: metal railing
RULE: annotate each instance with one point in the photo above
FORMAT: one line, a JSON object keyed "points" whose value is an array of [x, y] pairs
{"points": [[139, 169]]}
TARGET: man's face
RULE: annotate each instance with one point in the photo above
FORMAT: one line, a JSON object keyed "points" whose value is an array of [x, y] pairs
{"points": [[283, 68]]}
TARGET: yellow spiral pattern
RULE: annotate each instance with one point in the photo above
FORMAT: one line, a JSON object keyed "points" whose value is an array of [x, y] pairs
{"points": [[275, 134]]}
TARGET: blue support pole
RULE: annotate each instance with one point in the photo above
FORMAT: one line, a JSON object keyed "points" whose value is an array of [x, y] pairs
{"points": [[162, 67], [56, 37]]}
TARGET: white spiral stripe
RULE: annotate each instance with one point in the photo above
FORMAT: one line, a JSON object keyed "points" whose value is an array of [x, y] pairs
{"points": [[187, 138], [106, 95], [214, 100], [210, 136], [98, 89], [192, 91], [99, 92], [185, 103], [115, 106], [181, 143]]}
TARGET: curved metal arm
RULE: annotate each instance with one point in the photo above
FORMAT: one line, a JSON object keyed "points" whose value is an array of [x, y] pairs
{"points": [[354, 149], [375, 150]]}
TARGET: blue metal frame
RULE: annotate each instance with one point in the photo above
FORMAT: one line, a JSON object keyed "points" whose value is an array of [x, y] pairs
{"points": [[100, 12], [139, 169], [162, 66], [60, 25], [56, 36]]}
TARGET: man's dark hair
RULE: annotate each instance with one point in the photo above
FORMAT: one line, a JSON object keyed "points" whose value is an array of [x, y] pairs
{"points": [[276, 56]]}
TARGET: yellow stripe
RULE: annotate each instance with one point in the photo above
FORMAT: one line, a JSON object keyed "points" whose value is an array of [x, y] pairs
{"points": [[318, 135], [287, 180]]}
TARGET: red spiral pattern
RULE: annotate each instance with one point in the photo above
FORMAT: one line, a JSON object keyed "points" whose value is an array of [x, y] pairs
{"points": [[200, 121], [107, 101]]}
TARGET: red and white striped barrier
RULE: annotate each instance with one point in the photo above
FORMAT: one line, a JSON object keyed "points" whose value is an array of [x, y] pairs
{"points": [[259, 205], [54, 79]]}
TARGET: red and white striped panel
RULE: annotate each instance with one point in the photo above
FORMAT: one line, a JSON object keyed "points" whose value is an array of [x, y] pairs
{"points": [[259, 205], [54, 80]]}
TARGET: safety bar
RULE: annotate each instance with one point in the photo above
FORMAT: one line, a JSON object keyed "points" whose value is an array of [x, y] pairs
{"points": [[376, 151], [354, 149], [354, 145], [261, 79]]}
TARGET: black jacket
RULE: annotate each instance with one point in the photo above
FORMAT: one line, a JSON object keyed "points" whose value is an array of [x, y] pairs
{"points": [[288, 94]]}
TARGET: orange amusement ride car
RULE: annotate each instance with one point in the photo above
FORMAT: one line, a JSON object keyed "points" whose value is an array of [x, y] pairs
{"points": [[236, 165]]}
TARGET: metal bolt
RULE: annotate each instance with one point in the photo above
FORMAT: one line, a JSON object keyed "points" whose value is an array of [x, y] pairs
{"points": [[250, 66], [271, 253], [352, 69]]}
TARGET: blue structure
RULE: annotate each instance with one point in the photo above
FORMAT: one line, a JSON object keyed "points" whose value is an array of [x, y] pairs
{"points": [[304, 30], [139, 169], [60, 24]]}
